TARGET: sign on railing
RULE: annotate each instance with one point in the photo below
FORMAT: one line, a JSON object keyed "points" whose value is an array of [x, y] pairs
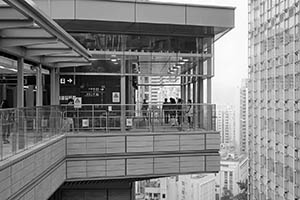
{"points": [[109, 117], [25, 127]]}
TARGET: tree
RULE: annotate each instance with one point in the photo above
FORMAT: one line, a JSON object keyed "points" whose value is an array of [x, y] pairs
{"points": [[227, 194], [243, 194]]}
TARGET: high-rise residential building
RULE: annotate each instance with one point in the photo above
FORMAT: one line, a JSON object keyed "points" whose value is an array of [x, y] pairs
{"points": [[233, 170], [274, 94], [226, 124], [191, 187], [243, 118]]}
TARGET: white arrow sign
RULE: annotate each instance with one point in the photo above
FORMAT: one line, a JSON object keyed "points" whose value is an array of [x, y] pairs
{"points": [[69, 80]]}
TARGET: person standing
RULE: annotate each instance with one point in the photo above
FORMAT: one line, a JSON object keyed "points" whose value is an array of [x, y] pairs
{"points": [[144, 109], [179, 112], [172, 111], [165, 109], [5, 121], [70, 115], [190, 113]]}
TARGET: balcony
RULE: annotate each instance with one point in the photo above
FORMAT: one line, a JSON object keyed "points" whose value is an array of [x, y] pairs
{"points": [[41, 150], [28, 127], [131, 118]]}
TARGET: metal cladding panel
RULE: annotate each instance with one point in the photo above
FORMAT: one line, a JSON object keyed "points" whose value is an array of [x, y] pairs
{"points": [[44, 6], [139, 143], [105, 10], [140, 166], [115, 167], [157, 13], [216, 17], [139, 12], [96, 168], [192, 164], [64, 9], [212, 163]]}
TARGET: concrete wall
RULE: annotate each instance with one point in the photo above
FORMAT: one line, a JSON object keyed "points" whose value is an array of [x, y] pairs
{"points": [[39, 171], [34, 174], [138, 12], [133, 155]]}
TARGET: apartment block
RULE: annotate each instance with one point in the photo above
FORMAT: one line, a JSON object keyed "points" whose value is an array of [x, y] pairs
{"points": [[274, 94]]}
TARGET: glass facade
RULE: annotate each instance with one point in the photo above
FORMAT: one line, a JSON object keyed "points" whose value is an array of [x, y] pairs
{"points": [[274, 120], [173, 66]]}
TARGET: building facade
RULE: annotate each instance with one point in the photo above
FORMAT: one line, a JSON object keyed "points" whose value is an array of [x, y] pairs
{"points": [[192, 187], [83, 51], [243, 118], [233, 170], [226, 124], [274, 92]]}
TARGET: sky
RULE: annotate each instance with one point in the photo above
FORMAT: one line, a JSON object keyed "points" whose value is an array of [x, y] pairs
{"points": [[231, 52]]}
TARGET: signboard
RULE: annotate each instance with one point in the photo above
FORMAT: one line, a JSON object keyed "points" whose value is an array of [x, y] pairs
{"points": [[129, 122], [77, 102], [85, 123], [66, 80], [116, 97]]}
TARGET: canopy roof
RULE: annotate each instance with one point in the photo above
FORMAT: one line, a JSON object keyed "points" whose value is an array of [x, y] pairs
{"points": [[27, 32], [140, 17]]}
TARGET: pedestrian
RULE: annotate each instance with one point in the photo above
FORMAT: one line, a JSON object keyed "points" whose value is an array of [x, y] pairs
{"points": [[172, 111], [6, 121], [144, 109], [70, 115], [179, 111], [166, 111], [190, 113]]}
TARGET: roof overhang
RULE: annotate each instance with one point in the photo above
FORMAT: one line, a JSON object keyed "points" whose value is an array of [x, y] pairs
{"points": [[137, 17], [27, 32]]}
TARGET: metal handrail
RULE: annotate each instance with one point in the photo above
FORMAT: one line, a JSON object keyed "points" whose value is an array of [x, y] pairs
{"points": [[23, 128]]}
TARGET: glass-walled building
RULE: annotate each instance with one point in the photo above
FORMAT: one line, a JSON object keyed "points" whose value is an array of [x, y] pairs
{"points": [[274, 94], [151, 64]]}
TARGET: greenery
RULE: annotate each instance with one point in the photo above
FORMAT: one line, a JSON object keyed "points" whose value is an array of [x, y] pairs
{"points": [[243, 194], [227, 194]]}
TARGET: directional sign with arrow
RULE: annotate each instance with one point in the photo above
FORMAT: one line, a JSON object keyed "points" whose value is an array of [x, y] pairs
{"points": [[67, 80]]}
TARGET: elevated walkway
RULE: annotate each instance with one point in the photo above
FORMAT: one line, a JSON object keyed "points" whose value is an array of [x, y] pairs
{"points": [[42, 153]]}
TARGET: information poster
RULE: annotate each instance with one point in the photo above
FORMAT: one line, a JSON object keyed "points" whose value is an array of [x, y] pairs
{"points": [[77, 102], [116, 97]]}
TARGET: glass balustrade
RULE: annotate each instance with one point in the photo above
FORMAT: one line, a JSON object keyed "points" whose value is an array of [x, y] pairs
{"points": [[24, 128]]}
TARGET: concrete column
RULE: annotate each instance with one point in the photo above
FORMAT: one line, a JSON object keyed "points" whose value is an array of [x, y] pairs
{"points": [[194, 97], [200, 91], [182, 88], [209, 95], [189, 86], [208, 81], [39, 86], [39, 102], [210, 67], [3, 89], [21, 120], [30, 96], [20, 83], [54, 86], [57, 88], [123, 94]]}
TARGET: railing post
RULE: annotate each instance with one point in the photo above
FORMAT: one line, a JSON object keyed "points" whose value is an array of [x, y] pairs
{"points": [[106, 121], [21, 127], [93, 118], [15, 133]]}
